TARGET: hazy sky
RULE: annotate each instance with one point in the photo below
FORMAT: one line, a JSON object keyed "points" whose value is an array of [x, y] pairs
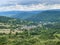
{"points": [[29, 4], [26, 2]]}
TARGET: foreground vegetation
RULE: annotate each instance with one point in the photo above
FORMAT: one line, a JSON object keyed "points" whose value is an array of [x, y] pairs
{"points": [[36, 36], [30, 39], [42, 34]]}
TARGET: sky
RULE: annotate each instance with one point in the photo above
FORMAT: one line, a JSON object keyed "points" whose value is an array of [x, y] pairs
{"points": [[29, 5]]}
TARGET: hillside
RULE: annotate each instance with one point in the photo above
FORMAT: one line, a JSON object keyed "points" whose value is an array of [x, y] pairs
{"points": [[37, 16], [49, 15], [19, 14], [4, 19], [21, 32]]}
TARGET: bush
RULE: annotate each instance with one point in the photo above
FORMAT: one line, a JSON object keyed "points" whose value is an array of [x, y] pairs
{"points": [[3, 41]]}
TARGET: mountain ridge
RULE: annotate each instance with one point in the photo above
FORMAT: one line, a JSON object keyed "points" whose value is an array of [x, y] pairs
{"points": [[48, 15]]}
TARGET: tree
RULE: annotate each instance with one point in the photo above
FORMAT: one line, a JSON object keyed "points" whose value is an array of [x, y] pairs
{"points": [[3, 41]]}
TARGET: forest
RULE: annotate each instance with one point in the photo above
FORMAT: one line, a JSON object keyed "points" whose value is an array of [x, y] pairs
{"points": [[41, 34]]}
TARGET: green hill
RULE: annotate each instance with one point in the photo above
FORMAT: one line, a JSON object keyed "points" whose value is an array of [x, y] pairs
{"points": [[4, 19], [46, 16]]}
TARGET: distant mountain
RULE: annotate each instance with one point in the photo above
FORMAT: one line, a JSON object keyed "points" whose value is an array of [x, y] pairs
{"points": [[9, 13], [49, 15], [19, 14], [25, 14]]}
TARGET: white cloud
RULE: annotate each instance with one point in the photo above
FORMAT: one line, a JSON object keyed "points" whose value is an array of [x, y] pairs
{"points": [[30, 7]]}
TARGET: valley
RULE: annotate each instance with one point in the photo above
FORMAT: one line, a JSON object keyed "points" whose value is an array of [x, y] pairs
{"points": [[41, 28]]}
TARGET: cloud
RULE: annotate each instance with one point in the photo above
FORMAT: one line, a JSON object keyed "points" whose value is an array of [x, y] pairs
{"points": [[32, 7], [3, 2]]}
